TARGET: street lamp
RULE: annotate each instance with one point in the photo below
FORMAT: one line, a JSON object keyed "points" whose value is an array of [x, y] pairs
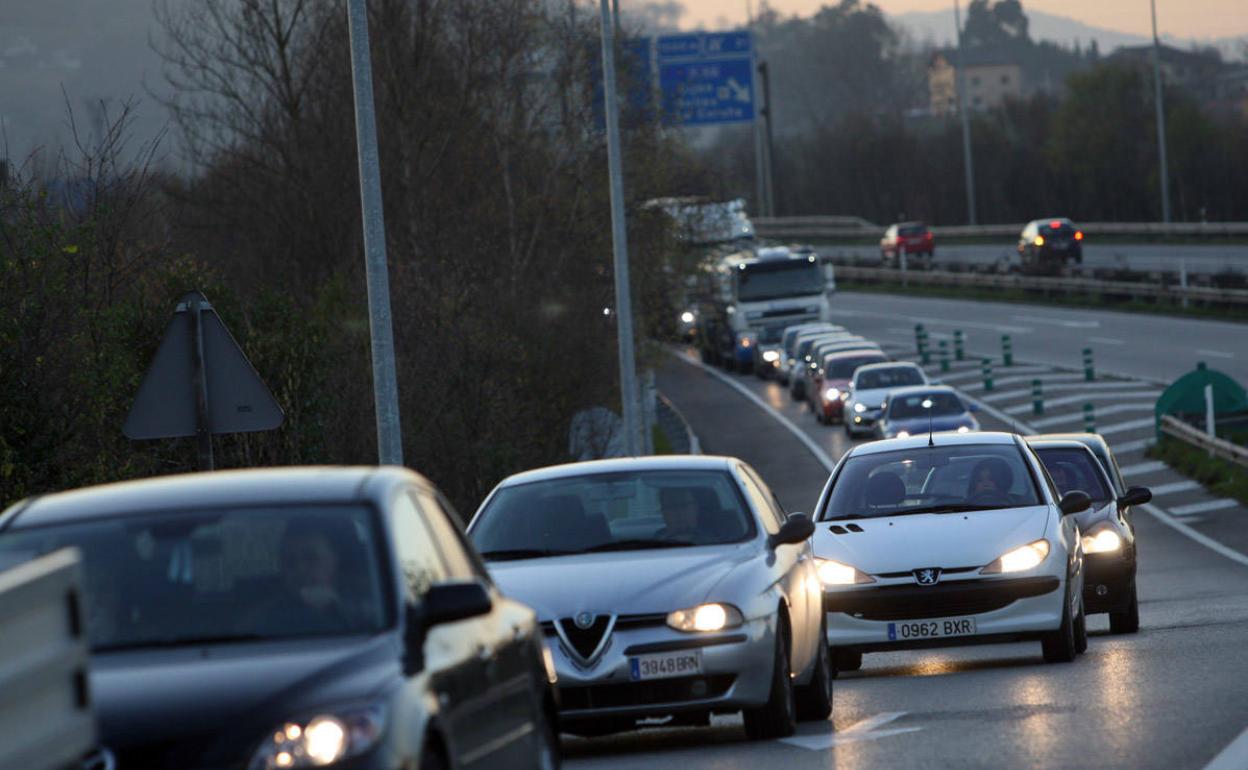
{"points": [[960, 85], [1161, 120]]}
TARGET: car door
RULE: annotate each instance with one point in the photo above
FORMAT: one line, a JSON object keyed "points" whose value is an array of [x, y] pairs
{"points": [[452, 652], [793, 566], [508, 638]]}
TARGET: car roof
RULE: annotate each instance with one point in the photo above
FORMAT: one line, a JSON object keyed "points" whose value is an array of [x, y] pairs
{"points": [[254, 487], [1043, 220], [888, 365], [853, 353], [1089, 440], [1056, 443], [983, 438], [912, 390], [620, 465]]}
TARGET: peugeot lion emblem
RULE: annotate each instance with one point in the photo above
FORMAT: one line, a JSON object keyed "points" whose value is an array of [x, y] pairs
{"points": [[584, 620], [926, 577]]}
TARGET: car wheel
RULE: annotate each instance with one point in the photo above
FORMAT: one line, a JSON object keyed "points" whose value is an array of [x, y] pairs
{"points": [[433, 758], [1081, 631], [776, 718], [814, 701], [847, 660], [1127, 621], [548, 757], [1059, 646]]}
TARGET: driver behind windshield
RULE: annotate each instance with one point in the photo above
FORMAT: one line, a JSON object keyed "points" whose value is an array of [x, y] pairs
{"points": [[311, 598], [680, 513], [991, 480]]}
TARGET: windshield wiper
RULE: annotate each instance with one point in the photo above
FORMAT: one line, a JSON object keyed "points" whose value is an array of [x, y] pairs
{"points": [[960, 508], [638, 544], [507, 554], [182, 641]]}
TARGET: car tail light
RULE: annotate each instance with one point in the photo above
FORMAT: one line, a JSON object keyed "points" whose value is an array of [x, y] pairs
{"points": [[1078, 235], [1055, 225]]}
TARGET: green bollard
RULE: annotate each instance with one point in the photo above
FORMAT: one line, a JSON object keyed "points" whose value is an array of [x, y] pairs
{"points": [[944, 355], [919, 338], [986, 370], [1089, 373], [1007, 350], [925, 351], [1089, 418], [1037, 398], [959, 345]]}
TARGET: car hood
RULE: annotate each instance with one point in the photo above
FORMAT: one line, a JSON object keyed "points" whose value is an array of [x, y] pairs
{"points": [[946, 540], [920, 424], [221, 698], [623, 582]]}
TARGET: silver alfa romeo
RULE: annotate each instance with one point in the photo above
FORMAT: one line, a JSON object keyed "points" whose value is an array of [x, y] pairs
{"points": [[669, 589]]}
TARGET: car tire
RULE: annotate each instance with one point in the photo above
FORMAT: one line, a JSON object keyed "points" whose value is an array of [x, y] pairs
{"points": [[433, 758], [549, 757], [814, 701], [1060, 646], [1127, 621], [777, 718], [1081, 631]]}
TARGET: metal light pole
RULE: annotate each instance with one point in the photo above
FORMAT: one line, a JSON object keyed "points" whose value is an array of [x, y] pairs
{"points": [[381, 328], [619, 239], [960, 75], [1161, 120], [769, 168]]}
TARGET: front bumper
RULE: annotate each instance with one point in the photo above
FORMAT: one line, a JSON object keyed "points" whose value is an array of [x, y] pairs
{"points": [[863, 422], [1108, 580], [832, 410], [1005, 609], [736, 672]]}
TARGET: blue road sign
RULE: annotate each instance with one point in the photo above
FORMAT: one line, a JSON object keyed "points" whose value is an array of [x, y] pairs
{"points": [[706, 79]]}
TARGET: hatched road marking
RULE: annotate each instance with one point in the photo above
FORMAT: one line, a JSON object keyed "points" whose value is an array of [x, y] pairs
{"points": [[1082, 399], [1143, 469], [859, 731], [1205, 507], [1104, 412], [1174, 488]]}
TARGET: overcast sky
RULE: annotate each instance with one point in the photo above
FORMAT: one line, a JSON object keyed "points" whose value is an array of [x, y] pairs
{"points": [[1177, 18]]}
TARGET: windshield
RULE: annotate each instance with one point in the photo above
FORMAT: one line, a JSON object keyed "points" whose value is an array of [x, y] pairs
{"points": [[783, 278], [909, 407], [1075, 469], [892, 377], [843, 368], [222, 574], [912, 230], [932, 480], [612, 511]]}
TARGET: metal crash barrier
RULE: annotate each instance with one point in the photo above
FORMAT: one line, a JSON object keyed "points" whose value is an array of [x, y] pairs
{"points": [[46, 721]]}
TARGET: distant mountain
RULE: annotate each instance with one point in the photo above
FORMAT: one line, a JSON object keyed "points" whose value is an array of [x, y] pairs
{"points": [[937, 27]]}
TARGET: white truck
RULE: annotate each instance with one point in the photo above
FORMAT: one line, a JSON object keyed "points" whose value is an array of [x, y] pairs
{"points": [[750, 296]]}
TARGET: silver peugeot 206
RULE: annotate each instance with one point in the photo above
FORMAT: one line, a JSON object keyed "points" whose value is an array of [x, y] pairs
{"points": [[668, 588]]}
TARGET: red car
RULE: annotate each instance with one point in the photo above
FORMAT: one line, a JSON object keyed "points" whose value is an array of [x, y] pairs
{"points": [[912, 238], [831, 389]]}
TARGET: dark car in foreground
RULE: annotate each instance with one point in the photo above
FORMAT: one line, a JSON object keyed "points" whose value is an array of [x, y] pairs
{"points": [[1106, 528], [294, 618], [1048, 245]]}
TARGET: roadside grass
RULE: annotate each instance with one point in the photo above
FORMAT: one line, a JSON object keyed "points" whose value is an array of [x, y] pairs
{"points": [[1022, 296], [1220, 477]]}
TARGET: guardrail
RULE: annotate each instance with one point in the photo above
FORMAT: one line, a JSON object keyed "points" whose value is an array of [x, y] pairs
{"points": [[1176, 428], [857, 227], [1050, 285], [46, 721]]}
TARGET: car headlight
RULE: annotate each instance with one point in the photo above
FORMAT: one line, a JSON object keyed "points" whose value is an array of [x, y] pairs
{"points": [[1020, 559], [686, 317], [833, 573], [964, 429], [706, 617], [1104, 541], [903, 434], [860, 408], [832, 394], [771, 356], [321, 740]]}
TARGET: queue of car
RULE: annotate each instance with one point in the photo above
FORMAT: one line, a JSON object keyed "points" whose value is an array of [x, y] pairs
{"points": [[347, 618]]}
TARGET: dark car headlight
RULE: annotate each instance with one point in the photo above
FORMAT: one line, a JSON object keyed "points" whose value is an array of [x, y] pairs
{"points": [[321, 739]]}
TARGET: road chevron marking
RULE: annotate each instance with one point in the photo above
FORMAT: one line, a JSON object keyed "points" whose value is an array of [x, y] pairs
{"points": [[859, 731]]}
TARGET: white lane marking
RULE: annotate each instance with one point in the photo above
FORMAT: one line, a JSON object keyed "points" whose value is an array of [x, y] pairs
{"points": [[1035, 319], [1082, 398], [1107, 340], [1101, 412], [975, 371], [1234, 756], [1208, 542], [1214, 353], [820, 455], [1123, 427], [929, 320], [1127, 447], [1143, 469], [1082, 387], [998, 381], [1174, 488], [1205, 507], [860, 731], [1018, 426]]}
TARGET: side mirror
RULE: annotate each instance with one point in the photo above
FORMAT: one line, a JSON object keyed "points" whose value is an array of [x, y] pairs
{"points": [[1074, 501], [1135, 496], [797, 529], [449, 602]]}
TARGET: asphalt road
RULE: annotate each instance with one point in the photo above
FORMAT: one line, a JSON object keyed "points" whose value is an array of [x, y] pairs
{"points": [[1144, 257], [1140, 345], [1173, 696]]}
